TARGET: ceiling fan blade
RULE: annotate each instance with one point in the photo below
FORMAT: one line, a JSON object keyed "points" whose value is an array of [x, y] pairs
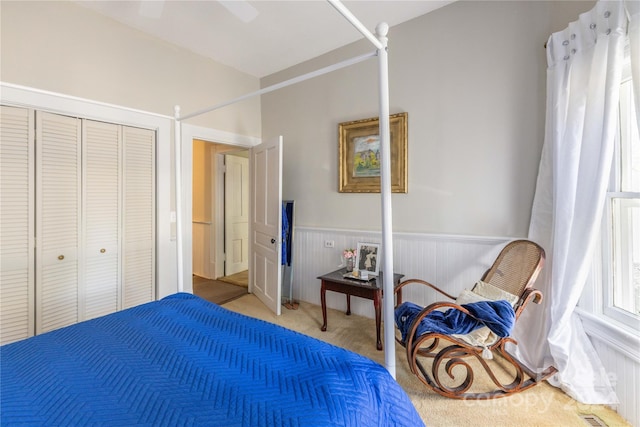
{"points": [[242, 9], [151, 8]]}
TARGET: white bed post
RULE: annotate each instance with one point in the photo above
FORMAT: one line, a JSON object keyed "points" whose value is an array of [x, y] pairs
{"points": [[385, 191], [385, 179], [385, 176], [177, 143]]}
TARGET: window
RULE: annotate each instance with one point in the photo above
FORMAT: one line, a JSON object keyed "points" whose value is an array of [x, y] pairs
{"points": [[622, 295]]}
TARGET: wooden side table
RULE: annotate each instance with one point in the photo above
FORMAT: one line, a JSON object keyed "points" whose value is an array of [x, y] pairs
{"points": [[370, 290]]}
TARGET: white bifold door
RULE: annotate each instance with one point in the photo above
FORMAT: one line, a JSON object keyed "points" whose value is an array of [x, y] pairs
{"points": [[102, 143], [78, 220], [58, 186], [17, 244]]}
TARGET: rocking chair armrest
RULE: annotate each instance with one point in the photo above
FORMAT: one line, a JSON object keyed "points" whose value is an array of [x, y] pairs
{"points": [[440, 304], [528, 295], [531, 293], [423, 282], [425, 311]]}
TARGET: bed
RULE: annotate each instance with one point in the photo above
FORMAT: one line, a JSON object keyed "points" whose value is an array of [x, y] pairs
{"points": [[185, 361]]}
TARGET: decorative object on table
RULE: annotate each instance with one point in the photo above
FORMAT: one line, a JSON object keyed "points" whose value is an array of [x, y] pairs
{"points": [[359, 162], [367, 258], [359, 276], [349, 258]]}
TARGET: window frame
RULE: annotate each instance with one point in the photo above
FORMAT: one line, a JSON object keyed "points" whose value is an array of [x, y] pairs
{"points": [[609, 309], [608, 265]]}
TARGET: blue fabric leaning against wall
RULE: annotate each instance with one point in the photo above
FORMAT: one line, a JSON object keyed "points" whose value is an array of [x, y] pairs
{"points": [[285, 234]]}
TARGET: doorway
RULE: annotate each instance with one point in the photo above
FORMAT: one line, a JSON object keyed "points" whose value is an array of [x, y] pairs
{"points": [[218, 224]]}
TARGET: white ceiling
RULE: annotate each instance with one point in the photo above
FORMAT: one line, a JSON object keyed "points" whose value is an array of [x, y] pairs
{"points": [[282, 34]]}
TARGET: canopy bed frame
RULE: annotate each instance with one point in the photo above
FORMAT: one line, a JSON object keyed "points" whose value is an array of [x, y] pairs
{"points": [[379, 41], [182, 360]]}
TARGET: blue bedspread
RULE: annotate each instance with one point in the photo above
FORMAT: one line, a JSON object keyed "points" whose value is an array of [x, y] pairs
{"points": [[184, 361]]}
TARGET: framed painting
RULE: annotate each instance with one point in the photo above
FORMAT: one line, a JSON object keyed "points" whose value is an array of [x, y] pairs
{"points": [[367, 258], [359, 161]]}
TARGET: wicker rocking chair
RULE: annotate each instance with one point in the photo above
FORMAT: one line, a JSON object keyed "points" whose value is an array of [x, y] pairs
{"points": [[437, 359]]}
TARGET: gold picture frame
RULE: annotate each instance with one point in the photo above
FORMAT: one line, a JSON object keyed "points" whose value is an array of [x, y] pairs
{"points": [[359, 155]]}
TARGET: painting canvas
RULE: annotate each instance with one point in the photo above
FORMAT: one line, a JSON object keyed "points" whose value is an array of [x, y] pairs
{"points": [[366, 158]]}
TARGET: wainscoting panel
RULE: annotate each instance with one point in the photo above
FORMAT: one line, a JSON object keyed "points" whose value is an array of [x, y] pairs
{"points": [[452, 263], [623, 370]]}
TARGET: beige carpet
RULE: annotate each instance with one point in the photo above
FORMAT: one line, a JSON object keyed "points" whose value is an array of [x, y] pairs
{"points": [[542, 405], [238, 279]]}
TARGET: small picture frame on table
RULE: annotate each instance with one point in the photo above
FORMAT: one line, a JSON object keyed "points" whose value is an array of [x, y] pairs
{"points": [[368, 258]]}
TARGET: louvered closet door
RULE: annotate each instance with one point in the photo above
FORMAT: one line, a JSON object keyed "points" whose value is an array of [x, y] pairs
{"points": [[100, 279], [58, 177], [138, 253], [16, 224]]}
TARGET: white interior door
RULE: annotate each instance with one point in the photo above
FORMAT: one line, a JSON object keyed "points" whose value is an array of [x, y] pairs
{"points": [[266, 222], [236, 212]]}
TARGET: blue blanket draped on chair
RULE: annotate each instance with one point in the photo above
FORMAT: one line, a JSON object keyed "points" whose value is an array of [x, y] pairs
{"points": [[499, 316]]}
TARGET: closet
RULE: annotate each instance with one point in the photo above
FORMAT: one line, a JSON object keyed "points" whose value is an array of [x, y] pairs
{"points": [[77, 220]]}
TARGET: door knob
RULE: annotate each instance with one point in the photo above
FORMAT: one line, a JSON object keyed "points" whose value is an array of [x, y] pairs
{"points": [[103, 250], [60, 257]]}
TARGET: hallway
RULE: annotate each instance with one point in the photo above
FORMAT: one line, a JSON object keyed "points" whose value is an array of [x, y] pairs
{"points": [[217, 291]]}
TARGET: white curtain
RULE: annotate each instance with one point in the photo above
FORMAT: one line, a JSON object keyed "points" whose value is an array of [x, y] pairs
{"points": [[583, 79]]}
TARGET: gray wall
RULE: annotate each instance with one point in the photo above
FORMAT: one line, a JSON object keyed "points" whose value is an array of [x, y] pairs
{"points": [[62, 47], [471, 76]]}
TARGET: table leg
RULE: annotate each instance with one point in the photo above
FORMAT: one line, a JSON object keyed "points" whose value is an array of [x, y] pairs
{"points": [[348, 305], [323, 301], [377, 296]]}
